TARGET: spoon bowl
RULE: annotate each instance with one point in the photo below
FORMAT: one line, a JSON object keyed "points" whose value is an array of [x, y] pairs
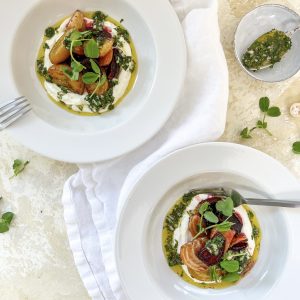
{"points": [[262, 19]]}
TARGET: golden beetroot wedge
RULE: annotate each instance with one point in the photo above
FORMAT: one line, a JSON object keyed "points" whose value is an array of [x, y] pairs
{"points": [[77, 21], [189, 255], [106, 47], [60, 78], [59, 53], [107, 59]]}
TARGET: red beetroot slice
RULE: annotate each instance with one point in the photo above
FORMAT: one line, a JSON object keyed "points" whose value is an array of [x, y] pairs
{"points": [[114, 68], [238, 222], [239, 246], [210, 259], [211, 200]]}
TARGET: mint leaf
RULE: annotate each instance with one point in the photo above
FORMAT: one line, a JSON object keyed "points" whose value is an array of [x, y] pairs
{"points": [[231, 277], [225, 206], [230, 266], [274, 111], [264, 104], [4, 227], [203, 208], [296, 147], [19, 166], [90, 77], [7, 217], [95, 67], [211, 217], [91, 49]]}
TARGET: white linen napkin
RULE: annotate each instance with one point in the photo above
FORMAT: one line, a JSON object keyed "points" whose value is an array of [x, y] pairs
{"points": [[90, 197]]}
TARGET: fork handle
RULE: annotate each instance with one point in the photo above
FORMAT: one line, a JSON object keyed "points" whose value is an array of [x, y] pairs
{"points": [[273, 202]]}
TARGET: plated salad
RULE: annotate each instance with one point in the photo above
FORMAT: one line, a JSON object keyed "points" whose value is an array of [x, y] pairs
{"points": [[87, 62], [208, 241]]}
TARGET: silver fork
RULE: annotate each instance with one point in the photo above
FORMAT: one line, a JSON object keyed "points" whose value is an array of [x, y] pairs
{"points": [[11, 111]]}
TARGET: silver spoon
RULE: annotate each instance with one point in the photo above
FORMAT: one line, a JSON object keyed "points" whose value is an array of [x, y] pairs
{"points": [[238, 199], [289, 34]]}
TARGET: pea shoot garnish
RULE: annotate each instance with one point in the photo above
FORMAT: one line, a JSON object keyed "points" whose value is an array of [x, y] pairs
{"points": [[19, 166], [264, 105], [296, 147], [92, 77], [5, 220]]}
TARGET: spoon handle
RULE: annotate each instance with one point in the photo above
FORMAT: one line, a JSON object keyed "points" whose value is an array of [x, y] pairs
{"points": [[273, 202]]}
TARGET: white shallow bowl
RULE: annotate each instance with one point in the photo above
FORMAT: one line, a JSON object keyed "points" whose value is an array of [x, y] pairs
{"points": [[61, 135], [142, 267], [261, 20]]}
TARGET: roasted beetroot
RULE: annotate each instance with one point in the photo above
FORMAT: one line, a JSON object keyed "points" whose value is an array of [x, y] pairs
{"points": [[239, 246], [238, 223], [213, 251], [114, 69]]}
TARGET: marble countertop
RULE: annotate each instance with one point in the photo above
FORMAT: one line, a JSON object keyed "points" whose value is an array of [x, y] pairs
{"points": [[35, 259]]}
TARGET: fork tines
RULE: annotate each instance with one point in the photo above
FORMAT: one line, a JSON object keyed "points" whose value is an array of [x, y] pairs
{"points": [[10, 111]]}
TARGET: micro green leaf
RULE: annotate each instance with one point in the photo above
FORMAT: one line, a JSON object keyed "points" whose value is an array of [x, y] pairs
{"points": [[264, 104], [231, 277], [296, 147], [7, 217], [225, 226], [70, 73], [211, 217], [4, 227], [225, 206], [203, 208], [245, 133], [90, 77], [95, 67], [91, 49], [76, 44], [19, 166], [261, 124], [230, 266], [75, 35], [274, 111], [76, 66]]}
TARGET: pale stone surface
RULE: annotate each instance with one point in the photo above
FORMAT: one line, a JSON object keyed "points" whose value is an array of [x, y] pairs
{"points": [[245, 92], [35, 259]]}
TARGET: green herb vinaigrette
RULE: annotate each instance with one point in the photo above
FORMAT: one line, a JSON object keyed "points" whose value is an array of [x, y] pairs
{"points": [[61, 104], [172, 221], [267, 50]]}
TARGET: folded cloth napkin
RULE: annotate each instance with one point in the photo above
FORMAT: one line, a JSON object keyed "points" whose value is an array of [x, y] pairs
{"points": [[92, 197]]}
